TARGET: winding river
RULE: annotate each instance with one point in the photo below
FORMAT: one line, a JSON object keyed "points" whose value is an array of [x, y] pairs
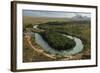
{"points": [[40, 41]]}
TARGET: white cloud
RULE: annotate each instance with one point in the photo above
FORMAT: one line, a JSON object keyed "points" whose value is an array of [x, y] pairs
{"points": [[56, 14]]}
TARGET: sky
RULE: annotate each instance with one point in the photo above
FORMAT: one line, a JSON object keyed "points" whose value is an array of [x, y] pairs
{"points": [[53, 14]]}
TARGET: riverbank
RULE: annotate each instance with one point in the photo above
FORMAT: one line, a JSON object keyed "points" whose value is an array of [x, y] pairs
{"points": [[35, 53]]}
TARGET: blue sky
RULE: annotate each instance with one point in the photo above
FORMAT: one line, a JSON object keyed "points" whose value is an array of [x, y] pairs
{"points": [[53, 14]]}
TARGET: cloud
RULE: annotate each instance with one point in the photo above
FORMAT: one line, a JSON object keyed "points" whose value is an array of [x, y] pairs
{"points": [[53, 14]]}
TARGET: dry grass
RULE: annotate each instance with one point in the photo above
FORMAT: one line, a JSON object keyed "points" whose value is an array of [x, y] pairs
{"points": [[36, 20]]}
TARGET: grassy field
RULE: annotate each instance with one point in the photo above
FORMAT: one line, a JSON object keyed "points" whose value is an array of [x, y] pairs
{"points": [[37, 20], [80, 29]]}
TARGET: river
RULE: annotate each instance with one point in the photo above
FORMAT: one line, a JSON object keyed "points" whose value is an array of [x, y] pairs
{"points": [[78, 47]]}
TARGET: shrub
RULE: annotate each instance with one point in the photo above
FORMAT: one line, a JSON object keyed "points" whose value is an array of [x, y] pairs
{"points": [[28, 26]]}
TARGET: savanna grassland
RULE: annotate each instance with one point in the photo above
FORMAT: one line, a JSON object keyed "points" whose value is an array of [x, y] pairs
{"points": [[53, 27]]}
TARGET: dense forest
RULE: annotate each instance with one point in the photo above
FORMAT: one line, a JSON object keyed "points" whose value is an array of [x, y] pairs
{"points": [[58, 41]]}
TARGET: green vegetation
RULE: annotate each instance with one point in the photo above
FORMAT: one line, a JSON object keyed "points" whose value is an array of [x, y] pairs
{"points": [[78, 29], [58, 41], [28, 26]]}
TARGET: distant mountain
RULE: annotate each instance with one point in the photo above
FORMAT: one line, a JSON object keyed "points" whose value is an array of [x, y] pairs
{"points": [[80, 18]]}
